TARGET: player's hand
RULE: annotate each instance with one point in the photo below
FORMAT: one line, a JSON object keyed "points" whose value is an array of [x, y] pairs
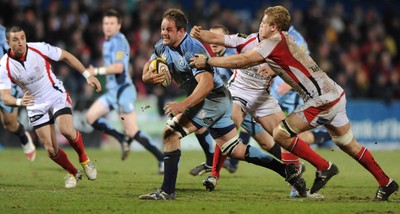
{"points": [[94, 82], [174, 108], [152, 77], [91, 70], [27, 99], [200, 61], [195, 32]]}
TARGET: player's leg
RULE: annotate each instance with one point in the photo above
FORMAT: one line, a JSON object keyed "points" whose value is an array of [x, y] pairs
{"points": [[231, 146], [65, 124], [95, 117], [133, 133], [286, 135], [177, 128], [126, 98], [206, 143], [9, 119], [342, 136], [47, 137]]}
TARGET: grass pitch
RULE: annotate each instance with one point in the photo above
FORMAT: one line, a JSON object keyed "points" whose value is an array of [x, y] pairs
{"points": [[38, 187]]}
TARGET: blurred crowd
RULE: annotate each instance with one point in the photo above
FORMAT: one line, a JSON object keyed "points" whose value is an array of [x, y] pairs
{"points": [[355, 42]]}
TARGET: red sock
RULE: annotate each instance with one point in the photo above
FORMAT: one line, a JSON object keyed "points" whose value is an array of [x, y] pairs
{"points": [[288, 158], [218, 162], [365, 158], [303, 150], [62, 160], [77, 144]]}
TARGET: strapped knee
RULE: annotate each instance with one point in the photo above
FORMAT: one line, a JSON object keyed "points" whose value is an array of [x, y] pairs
{"points": [[177, 128], [344, 139], [286, 129], [229, 146]]}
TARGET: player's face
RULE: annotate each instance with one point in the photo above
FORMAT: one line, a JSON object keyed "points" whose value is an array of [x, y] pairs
{"points": [[17, 43], [217, 49], [110, 26], [266, 30], [170, 35]]}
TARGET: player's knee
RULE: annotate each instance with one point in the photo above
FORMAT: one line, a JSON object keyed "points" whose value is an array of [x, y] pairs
{"points": [[69, 133], [175, 128], [283, 131], [228, 148], [169, 134], [344, 139]]}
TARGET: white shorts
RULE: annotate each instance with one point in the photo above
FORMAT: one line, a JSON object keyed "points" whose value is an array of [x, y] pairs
{"points": [[257, 103], [326, 109], [44, 113]]}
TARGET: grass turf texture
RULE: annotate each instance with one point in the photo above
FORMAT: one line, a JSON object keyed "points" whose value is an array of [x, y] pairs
{"points": [[38, 187]]}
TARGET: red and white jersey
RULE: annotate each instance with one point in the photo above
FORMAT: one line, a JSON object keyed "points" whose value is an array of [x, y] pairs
{"points": [[247, 77], [33, 72], [296, 67]]}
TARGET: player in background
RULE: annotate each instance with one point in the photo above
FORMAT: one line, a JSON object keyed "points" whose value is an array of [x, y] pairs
{"points": [[9, 115], [324, 100], [46, 100], [121, 93], [208, 104]]}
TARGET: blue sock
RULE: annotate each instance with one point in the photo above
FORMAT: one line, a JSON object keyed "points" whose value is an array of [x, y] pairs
{"points": [[171, 161], [206, 142], [256, 156], [102, 124], [144, 140], [21, 134]]}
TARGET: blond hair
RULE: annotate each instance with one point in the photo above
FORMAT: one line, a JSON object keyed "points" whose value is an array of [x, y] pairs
{"points": [[278, 15]]}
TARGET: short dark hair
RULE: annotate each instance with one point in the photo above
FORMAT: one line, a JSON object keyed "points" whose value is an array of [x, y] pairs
{"points": [[114, 13], [222, 27], [177, 16], [12, 29]]}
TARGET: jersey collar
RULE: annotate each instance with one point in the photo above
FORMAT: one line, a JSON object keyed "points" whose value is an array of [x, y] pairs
{"points": [[20, 59]]}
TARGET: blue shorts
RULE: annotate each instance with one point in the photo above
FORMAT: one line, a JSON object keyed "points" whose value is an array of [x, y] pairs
{"points": [[122, 99], [251, 126], [15, 92], [214, 112], [290, 102]]}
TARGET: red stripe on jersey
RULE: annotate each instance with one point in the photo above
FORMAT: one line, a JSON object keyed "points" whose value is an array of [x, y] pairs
{"points": [[282, 56], [208, 48], [312, 112], [239, 48], [46, 59], [69, 100], [8, 69]]}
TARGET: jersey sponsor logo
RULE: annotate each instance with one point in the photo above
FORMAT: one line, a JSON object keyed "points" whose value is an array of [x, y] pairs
{"points": [[35, 117], [208, 121], [119, 55]]}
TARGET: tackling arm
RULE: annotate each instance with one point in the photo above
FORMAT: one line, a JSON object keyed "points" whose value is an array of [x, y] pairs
{"points": [[207, 36]]}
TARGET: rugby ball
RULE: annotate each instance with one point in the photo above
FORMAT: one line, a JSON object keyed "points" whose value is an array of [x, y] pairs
{"points": [[161, 67]]}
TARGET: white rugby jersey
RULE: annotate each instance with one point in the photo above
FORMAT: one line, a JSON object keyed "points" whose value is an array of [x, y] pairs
{"points": [[247, 77], [296, 67], [33, 73]]}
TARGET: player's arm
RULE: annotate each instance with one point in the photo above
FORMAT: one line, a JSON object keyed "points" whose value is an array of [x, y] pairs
{"points": [[115, 68], [204, 86], [244, 60], [150, 76], [72, 61], [207, 36], [9, 100]]}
